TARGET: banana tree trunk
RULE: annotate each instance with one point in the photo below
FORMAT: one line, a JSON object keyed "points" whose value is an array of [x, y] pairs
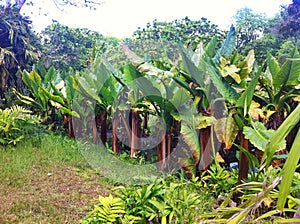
{"points": [[243, 162], [205, 146], [161, 152], [91, 127], [94, 130], [145, 123], [70, 127], [115, 147], [169, 148], [78, 127], [136, 131], [103, 124]]}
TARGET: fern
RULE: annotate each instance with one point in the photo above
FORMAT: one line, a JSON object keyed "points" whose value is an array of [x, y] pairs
{"points": [[15, 123], [109, 210]]}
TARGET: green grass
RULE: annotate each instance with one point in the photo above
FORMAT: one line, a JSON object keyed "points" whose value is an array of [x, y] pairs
{"points": [[47, 181]]}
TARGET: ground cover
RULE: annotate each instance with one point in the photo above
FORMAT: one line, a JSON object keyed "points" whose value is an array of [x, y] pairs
{"points": [[47, 181]]}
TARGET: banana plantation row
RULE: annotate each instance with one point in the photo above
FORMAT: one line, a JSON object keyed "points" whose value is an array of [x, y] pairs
{"points": [[211, 100]]}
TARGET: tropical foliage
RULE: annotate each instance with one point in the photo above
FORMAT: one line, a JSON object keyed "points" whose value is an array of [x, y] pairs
{"points": [[17, 123], [18, 49], [187, 102]]}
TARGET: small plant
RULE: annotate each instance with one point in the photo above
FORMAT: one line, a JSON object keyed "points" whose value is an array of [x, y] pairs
{"points": [[15, 123], [109, 210], [219, 180], [168, 200]]}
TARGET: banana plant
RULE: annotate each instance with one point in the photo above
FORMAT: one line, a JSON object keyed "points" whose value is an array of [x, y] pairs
{"points": [[218, 80], [279, 85], [98, 86], [172, 104], [49, 93]]}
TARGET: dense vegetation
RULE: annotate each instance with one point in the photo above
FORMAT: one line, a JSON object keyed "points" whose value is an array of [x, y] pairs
{"points": [[190, 123]]}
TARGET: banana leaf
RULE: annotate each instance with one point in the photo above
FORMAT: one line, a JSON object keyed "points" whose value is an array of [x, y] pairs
{"points": [[289, 169], [226, 130], [228, 46], [289, 73], [280, 134], [244, 101], [221, 85], [259, 136]]}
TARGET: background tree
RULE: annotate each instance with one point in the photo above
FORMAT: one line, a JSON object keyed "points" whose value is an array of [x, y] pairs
{"points": [[288, 24], [65, 47], [188, 31], [59, 3], [249, 27]]}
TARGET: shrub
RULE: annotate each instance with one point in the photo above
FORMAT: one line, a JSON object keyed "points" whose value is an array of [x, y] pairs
{"points": [[15, 123], [169, 200]]}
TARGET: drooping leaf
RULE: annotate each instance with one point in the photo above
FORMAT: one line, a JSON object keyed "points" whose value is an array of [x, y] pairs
{"points": [[70, 112], [27, 100], [259, 136], [202, 121], [226, 130], [87, 90], [190, 136]]}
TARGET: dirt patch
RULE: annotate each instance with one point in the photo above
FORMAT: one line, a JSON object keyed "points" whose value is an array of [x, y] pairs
{"points": [[63, 195]]}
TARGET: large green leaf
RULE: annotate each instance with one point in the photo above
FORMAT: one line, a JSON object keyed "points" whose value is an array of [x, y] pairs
{"points": [[211, 47], [289, 73], [244, 101], [191, 68], [273, 66], [70, 90], [280, 134], [32, 80], [228, 46], [70, 112], [27, 100], [288, 172], [54, 98], [50, 75], [180, 97], [87, 90], [259, 136], [230, 95]]}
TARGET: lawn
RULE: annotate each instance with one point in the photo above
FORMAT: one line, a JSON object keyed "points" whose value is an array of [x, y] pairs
{"points": [[47, 181]]}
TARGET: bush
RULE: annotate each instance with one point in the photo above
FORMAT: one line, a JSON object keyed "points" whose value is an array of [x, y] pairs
{"points": [[16, 123], [170, 200]]}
